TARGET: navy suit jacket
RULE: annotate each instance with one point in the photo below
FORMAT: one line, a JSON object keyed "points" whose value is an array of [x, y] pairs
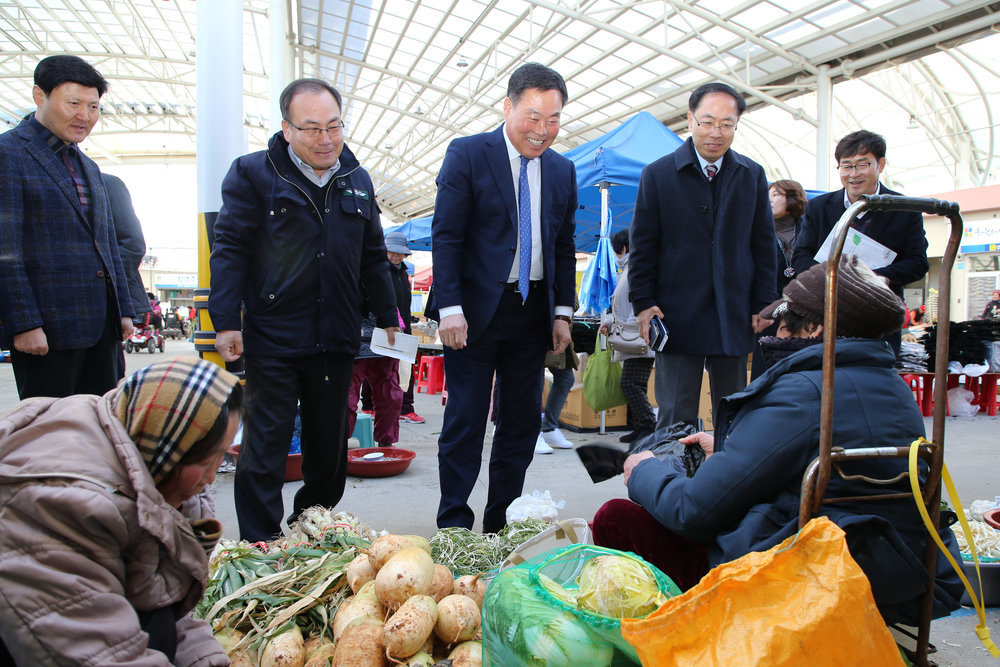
{"points": [[900, 231], [474, 230], [53, 260]]}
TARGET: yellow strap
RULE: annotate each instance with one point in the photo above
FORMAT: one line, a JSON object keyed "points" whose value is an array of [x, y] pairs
{"points": [[566, 529], [981, 630]]}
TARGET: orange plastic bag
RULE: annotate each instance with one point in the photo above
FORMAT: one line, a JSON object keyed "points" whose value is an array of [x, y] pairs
{"points": [[803, 602]]}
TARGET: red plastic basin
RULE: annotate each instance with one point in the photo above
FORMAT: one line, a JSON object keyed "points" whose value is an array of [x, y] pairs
{"points": [[394, 461]]}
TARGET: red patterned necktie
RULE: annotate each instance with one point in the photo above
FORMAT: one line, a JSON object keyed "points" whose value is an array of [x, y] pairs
{"points": [[711, 170]]}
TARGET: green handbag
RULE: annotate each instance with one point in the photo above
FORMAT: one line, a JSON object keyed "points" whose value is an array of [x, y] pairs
{"points": [[602, 380]]}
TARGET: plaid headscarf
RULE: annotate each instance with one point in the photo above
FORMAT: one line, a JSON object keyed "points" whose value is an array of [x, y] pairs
{"points": [[169, 406]]}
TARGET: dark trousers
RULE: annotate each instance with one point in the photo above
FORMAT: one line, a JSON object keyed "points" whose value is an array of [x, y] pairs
{"points": [[513, 346], [382, 374], [622, 524], [319, 384], [677, 385], [60, 373], [634, 383]]}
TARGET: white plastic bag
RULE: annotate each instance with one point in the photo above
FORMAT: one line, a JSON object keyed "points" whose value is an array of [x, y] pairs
{"points": [[537, 505], [960, 402]]}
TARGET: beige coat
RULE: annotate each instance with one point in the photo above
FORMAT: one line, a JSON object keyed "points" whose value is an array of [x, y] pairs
{"points": [[86, 540]]}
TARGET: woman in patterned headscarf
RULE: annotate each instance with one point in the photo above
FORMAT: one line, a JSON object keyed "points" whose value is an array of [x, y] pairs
{"points": [[104, 529]]}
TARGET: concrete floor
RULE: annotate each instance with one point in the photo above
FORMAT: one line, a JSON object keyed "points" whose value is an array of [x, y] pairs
{"points": [[407, 503]]}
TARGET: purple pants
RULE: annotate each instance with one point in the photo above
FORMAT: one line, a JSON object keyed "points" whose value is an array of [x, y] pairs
{"points": [[624, 525], [382, 374]]}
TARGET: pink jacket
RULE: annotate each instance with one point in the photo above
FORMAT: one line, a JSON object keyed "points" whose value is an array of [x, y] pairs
{"points": [[86, 540]]}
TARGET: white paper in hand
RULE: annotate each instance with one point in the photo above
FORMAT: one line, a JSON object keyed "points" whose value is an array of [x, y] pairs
{"points": [[404, 349]]}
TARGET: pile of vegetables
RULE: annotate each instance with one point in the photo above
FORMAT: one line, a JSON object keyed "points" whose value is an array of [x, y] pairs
{"points": [[335, 592], [466, 552]]}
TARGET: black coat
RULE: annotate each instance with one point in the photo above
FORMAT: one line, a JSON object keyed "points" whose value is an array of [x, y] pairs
{"points": [[900, 231], [709, 269], [131, 243], [299, 274]]}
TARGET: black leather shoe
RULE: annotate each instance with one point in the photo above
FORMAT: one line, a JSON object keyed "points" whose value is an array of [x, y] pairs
{"points": [[630, 436]]}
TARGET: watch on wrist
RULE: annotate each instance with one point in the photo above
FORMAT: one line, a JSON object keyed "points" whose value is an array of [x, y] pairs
{"points": [[565, 318]]}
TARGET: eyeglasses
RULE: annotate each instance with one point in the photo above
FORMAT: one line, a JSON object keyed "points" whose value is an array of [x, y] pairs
{"points": [[861, 167], [725, 126], [314, 132]]}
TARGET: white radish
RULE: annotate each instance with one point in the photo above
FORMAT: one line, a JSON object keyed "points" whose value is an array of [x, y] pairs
{"points": [[387, 546], [459, 619], [471, 586], [408, 628], [443, 583], [467, 654], [359, 572], [410, 572]]}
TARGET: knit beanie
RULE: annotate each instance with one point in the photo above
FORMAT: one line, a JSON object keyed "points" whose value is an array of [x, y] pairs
{"points": [[866, 307], [168, 406]]}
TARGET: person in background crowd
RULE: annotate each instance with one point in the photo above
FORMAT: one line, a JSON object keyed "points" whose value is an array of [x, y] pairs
{"points": [[703, 257], [107, 525], [992, 310], [635, 367], [745, 496], [64, 298], [131, 247], [382, 374], [562, 366], [788, 202], [860, 158], [503, 293], [288, 282], [395, 245]]}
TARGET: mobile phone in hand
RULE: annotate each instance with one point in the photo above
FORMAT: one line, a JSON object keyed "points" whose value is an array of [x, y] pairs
{"points": [[657, 334]]}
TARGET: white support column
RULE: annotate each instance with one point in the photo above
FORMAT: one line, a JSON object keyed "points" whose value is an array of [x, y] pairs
{"points": [[824, 113], [220, 136], [282, 57]]}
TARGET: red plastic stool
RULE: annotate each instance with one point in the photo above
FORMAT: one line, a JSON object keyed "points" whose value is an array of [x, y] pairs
{"points": [[430, 374], [988, 393], [444, 392]]}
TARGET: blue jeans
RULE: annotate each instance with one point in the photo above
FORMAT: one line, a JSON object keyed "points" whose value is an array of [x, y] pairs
{"points": [[562, 383]]}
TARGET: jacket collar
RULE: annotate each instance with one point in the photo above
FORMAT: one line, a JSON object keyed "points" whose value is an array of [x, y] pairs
{"points": [[686, 156], [277, 151]]}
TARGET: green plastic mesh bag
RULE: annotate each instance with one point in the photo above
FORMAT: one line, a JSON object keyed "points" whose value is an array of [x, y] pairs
{"points": [[531, 615]]}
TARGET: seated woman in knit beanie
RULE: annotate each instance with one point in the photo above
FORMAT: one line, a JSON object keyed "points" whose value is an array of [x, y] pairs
{"points": [[745, 496], [105, 529]]}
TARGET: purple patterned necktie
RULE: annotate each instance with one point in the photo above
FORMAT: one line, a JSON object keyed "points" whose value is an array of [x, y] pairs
{"points": [[523, 230], [67, 158], [711, 170]]}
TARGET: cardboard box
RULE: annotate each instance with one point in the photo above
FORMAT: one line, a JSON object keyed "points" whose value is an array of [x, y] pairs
{"points": [[577, 414]]}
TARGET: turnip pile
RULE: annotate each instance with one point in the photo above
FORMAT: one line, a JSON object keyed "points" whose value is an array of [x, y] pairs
{"points": [[341, 595]]}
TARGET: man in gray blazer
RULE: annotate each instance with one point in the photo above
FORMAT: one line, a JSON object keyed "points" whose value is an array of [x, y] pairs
{"points": [[64, 301], [703, 257]]}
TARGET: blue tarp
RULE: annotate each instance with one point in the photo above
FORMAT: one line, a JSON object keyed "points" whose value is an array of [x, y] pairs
{"points": [[417, 232], [617, 158], [600, 279]]}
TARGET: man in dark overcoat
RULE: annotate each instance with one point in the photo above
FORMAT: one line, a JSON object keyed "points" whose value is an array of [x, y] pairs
{"points": [[703, 257]]}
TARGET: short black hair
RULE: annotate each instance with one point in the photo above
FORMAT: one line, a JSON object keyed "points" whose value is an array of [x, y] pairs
{"points": [[796, 323], [535, 75], [859, 142], [619, 241], [306, 86], [716, 87], [53, 71]]}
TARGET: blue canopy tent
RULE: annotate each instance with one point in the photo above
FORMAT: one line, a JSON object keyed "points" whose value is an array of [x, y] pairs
{"points": [[608, 169], [607, 177]]}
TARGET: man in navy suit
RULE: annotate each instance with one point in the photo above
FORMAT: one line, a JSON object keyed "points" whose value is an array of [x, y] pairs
{"points": [[64, 300], [504, 267], [860, 160]]}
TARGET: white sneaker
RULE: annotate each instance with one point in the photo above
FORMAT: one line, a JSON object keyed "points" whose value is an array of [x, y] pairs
{"points": [[555, 438], [541, 447]]}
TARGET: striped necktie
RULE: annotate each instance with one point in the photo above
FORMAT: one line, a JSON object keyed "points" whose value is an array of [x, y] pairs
{"points": [[81, 187], [711, 170], [523, 231]]}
